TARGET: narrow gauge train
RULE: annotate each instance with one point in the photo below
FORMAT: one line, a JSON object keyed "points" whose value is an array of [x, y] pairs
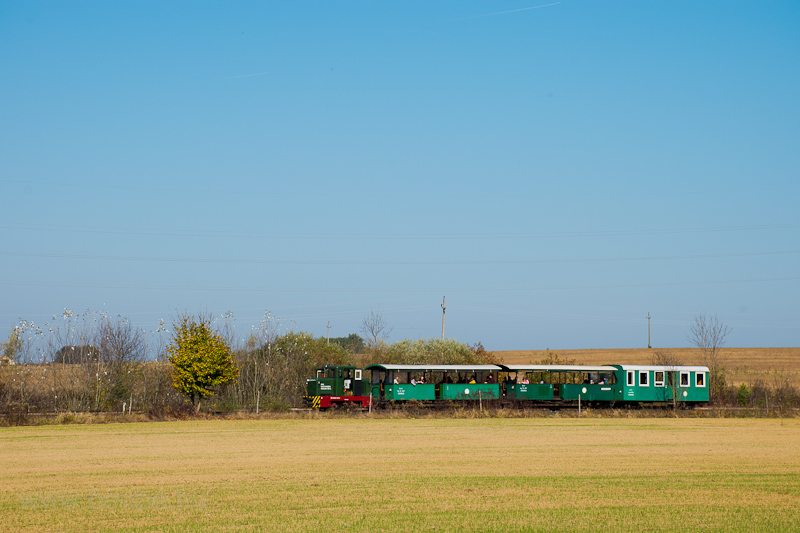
{"points": [[517, 385]]}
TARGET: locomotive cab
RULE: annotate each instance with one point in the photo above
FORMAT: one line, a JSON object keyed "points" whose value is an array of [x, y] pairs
{"points": [[336, 381], [337, 385]]}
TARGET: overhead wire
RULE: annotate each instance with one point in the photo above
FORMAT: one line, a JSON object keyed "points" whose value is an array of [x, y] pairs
{"points": [[390, 262], [382, 236]]}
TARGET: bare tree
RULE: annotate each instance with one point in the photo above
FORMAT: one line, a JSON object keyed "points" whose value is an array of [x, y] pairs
{"points": [[375, 328], [258, 366], [123, 350], [708, 334]]}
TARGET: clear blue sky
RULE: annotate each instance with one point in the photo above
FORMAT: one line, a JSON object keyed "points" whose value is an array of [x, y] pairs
{"points": [[557, 170]]}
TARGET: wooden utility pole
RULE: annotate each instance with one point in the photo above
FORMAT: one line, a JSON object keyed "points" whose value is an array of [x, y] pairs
{"points": [[648, 330], [442, 317]]}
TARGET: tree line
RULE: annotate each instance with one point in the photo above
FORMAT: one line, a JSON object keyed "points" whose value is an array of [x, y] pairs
{"points": [[93, 362], [90, 361]]}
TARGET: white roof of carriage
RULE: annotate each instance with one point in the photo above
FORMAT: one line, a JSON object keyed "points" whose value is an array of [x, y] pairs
{"points": [[663, 368], [559, 368], [437, 368]]}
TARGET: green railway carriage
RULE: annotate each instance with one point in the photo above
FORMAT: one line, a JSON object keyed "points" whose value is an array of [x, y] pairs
{"points": [[399, 383], [657, 384], [561, 382]]}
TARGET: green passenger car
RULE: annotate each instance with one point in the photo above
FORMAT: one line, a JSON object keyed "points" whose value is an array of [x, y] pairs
{"points": [[565, 383], [661, 384], [399, 383]]}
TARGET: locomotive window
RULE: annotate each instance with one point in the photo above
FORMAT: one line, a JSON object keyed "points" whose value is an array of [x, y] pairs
{"points": [[358, 374], [631, 382], [700, 379], [658, 379], [684, 379], [643, 378]]}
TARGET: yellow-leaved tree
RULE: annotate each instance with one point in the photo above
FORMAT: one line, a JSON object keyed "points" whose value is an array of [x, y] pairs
{"points": [[201, 360]]}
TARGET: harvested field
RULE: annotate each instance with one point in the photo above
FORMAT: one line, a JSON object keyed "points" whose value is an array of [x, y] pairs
{"points": [[385, 474], [743, 365]]}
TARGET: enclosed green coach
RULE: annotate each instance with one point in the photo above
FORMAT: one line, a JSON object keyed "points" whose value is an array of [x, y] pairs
{"points": [[657, 384]]}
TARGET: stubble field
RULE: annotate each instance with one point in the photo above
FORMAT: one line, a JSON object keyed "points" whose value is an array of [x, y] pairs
{"points": [[359, 474]]}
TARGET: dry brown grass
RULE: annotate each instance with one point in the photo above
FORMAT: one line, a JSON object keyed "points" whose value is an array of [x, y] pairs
{"points": [[744, 365], [361, 474]]}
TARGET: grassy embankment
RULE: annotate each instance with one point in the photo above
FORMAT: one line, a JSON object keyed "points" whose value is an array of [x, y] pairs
{"points": [[361, 474], [743, 365]]}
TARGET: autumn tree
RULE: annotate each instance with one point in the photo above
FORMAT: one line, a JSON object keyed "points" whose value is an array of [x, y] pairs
{"points": [[200, 358]]}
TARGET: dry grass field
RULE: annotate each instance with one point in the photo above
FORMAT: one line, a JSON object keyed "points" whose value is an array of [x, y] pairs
{"points": [[360, 474], [743, 365]]}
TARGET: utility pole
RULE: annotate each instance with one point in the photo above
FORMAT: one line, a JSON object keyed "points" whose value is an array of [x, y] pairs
{"points": [[648, 330], [442, 317]]}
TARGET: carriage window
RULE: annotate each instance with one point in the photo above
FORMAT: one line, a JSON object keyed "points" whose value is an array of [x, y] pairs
{"points": [[631, 382], [700, 379], [643, 375], [658, 379], [684, 379]]}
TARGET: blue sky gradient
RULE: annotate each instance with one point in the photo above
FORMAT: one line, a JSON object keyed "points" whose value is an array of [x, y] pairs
{"points": [[557, 173]]}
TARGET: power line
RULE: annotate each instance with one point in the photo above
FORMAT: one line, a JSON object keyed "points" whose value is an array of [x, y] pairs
{"points": [[390, 289], [382, 236], [391, 262]]}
